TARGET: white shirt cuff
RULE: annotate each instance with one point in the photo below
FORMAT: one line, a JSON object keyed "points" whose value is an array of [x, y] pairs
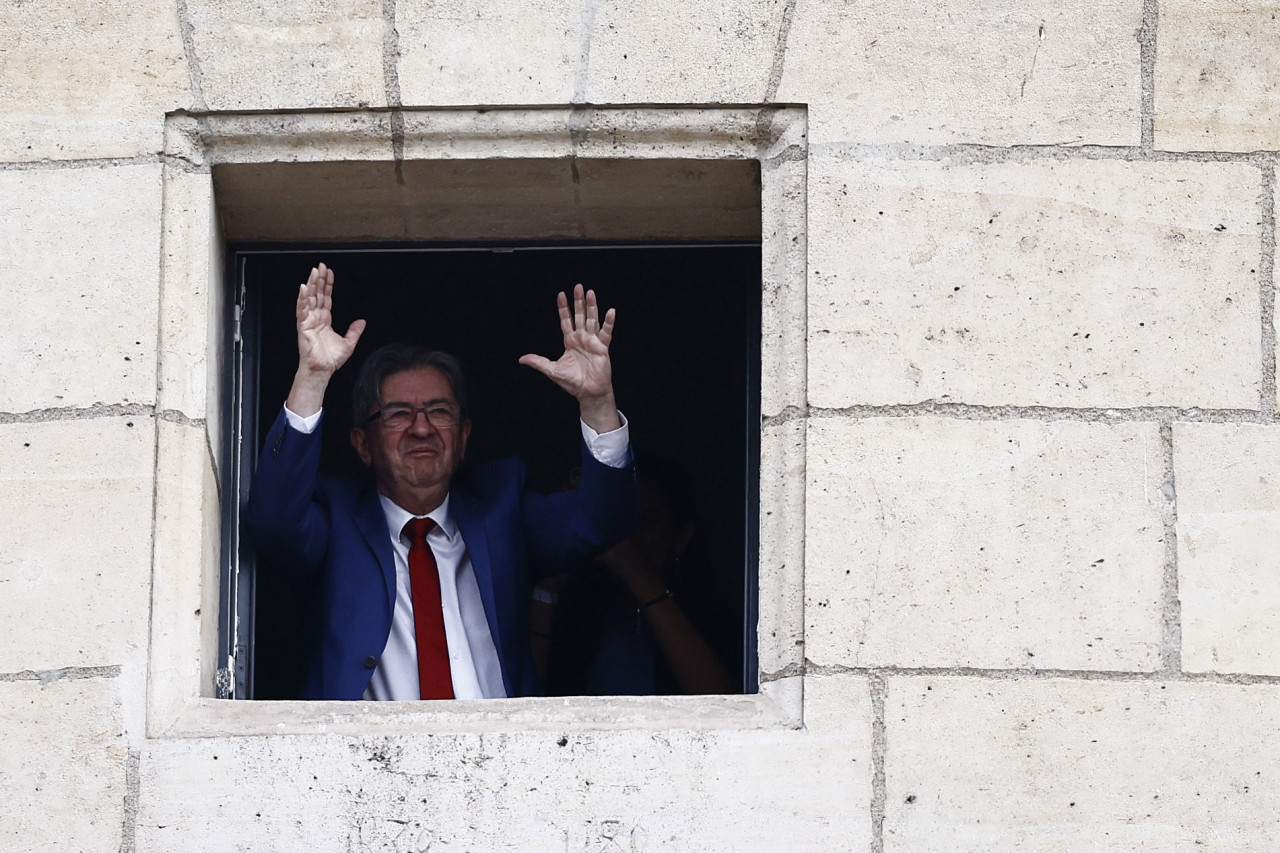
{"points": [[609, 448], [306, 426]]}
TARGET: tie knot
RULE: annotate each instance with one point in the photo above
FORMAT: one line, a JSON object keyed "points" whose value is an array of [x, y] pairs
{"points": [[418, 528]]}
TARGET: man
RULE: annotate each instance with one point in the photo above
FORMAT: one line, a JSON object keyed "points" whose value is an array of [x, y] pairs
{"points": [[424, 575]]}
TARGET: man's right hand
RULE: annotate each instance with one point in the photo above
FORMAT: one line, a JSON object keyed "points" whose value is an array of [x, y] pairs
{"points": [[321, 350]]}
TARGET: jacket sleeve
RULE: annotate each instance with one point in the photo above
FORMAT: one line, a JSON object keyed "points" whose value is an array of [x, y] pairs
{"points": [[566, 527], [287, 514]]}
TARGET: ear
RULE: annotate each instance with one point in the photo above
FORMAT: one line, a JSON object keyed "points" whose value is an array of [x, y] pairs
{"points": [[463, 435], [360, 441]]}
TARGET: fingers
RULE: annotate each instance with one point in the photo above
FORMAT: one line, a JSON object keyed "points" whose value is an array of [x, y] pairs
{"points": [[579, 310], [562, 305], [606, 331], [354, 331], [537, 362], [593, 313]]}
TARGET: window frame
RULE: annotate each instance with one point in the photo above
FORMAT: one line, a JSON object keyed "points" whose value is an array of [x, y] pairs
{"points": [[182, 674]]}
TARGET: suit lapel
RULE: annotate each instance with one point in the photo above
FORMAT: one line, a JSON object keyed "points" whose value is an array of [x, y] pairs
{"points": [[469, 517], [372, 524]]}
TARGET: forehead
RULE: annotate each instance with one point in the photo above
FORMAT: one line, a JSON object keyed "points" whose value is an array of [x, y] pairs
{"points": [[419, 385]]}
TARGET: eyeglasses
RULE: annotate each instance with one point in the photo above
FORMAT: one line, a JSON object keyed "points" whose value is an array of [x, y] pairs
{"points": [[439, 415]]}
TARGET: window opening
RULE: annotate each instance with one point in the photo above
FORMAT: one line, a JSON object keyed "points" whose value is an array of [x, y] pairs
{"points": [[686, 362]]}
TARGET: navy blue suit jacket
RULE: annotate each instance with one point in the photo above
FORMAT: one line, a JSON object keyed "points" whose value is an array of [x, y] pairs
{"points": [[306, 522]]}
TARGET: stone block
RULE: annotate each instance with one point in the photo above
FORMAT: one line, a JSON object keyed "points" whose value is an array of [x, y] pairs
{"points": [[62, 769], [780, 628], [1227, 478], [75, 551], [1070, 283], [993, 544], [259, 55], [79, 278], [477, 52], [998, 73], [1042, 766], [184, 609], [93, 79], [192, 325], [673, 52], [1217, 63], [505, 789]]}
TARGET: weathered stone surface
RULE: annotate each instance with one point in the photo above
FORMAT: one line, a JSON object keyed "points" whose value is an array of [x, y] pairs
{"points": [[1228, 485], [966, 71], [93, 80], [525, 791], [476, 52], [780, 628], [1077, 283], [62, 769], [675, 52], [261, 55], [934, 542], [551, 51], [1217, 74], [193, 322], [79, 278], [184, 609], [1044, 766], [76, 540]]}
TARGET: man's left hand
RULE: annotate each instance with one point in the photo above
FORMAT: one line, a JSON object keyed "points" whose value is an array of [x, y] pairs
{"points": [[584, 369]]}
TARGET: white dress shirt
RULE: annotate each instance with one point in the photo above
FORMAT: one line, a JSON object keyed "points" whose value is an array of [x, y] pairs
{"points": [[473, 657]]}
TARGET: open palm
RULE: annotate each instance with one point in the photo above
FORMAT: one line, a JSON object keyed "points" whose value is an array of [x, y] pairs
{"points": [[320, 348], [584, 370]]}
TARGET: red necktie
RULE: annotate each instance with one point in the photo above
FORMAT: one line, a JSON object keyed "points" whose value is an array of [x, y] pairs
{"points": [[434, 680]]}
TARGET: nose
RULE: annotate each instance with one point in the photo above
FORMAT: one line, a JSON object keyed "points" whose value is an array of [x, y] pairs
{"points": [[421, 425]]}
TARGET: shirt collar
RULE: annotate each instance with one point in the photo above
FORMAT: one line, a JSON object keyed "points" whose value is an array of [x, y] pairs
{"points": [[397, 517]]}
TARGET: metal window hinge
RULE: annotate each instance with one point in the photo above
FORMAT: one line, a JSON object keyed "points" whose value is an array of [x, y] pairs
{"points": [[236, 313]]}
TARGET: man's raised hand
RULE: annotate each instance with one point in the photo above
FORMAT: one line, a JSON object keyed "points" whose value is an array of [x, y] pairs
{"points": [[321, 350], [584, 370]]}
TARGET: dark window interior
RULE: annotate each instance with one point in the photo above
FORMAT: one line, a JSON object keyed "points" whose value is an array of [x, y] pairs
{"points": [[686, 354]]}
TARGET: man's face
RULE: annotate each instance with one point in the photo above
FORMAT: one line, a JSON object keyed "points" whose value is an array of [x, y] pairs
{"points": [[419, 456]]}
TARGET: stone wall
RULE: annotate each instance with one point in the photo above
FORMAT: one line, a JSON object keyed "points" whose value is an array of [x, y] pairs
{"points": [[1019, 450]]}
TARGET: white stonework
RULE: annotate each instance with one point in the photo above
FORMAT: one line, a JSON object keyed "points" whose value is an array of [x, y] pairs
{"points": [[89, 79], [260, 55], [1014, 343], [75, 496], [79, 279], [680, 790], [997, 73], [1042, 766], [1078, 283], [1216, 65], [1228, 485], [63, 766], [940, 543]]}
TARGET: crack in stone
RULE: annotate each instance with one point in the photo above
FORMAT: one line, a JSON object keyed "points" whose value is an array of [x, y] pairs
{"points": [[879, 789], [963, 154], [1171, 607], [97, 410], [194, 73], [1267, 290], [391, 84], [779, 53], [48, 676], [974, 412], [1147, 73], [132, 785], [1027, 674], [791, 670], [47, 165]]}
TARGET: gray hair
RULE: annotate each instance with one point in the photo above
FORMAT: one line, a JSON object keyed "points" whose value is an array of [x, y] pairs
{"points": [[397, 358]]}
